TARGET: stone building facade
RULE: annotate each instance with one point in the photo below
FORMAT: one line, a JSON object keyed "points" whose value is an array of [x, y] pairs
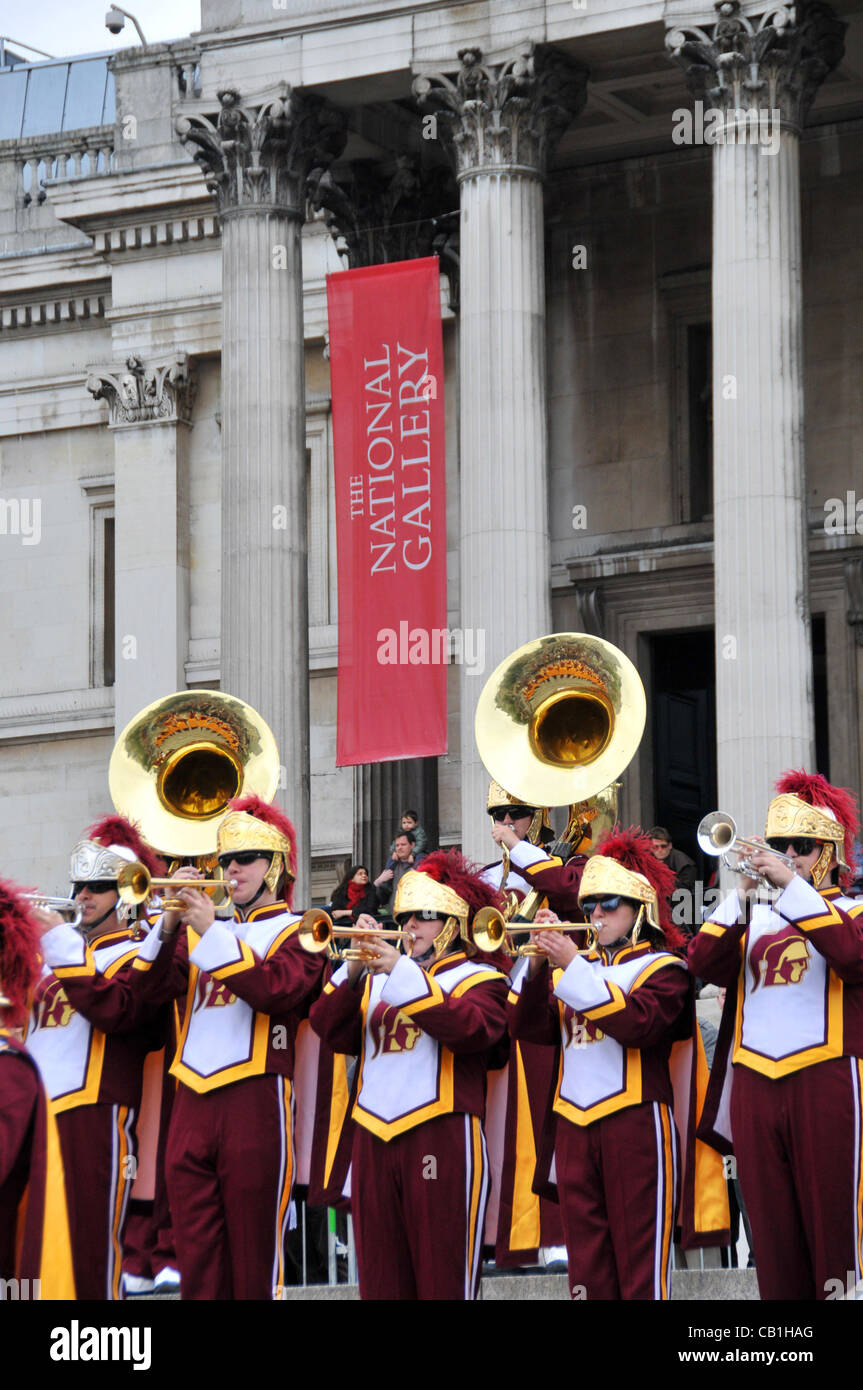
{"points": [[649, 221]]}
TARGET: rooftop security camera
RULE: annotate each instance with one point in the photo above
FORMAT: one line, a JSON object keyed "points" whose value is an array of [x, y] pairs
{"points": [[115, 21]]}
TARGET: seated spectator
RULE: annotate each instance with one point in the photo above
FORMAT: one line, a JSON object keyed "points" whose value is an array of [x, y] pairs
{"points": [[354, 895], [680, 863], [410, 821], [403, 858]]}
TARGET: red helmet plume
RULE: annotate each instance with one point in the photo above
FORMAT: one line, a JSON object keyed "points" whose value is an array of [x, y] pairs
{"points": [[451, 868], [116, 830], [633, 849], [19, 951], [815, 790], [463, 877]]}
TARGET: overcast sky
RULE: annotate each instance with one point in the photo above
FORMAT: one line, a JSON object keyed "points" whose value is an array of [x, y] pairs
{"points": [[65, 27]]}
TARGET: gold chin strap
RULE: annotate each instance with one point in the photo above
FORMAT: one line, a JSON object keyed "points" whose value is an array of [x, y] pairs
{"points": [[273, 874], [445, 936], [639, 923], [821, 867]]}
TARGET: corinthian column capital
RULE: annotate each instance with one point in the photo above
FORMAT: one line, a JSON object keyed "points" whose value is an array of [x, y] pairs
{"points": [[508, 116], [140, 393], [255, 158], [775, 61]]}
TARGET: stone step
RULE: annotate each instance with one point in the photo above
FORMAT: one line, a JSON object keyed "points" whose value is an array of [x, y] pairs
{"points": [[698, 1285]]}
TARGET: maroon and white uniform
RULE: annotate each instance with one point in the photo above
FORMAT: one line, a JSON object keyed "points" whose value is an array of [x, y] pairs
{"points": [[519, 1098], [230, 1156], [419, 1176], [616, 1147], [89, 1033], [791, 1102]]}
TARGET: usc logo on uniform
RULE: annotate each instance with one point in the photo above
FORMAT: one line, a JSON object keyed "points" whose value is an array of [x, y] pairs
{"points": [[212, 994], [53, 1009], [781, 958], [581, 1031], [393, 1031]]}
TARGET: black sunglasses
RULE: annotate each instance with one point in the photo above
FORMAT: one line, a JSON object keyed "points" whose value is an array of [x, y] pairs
{"points": [[500, 813], [609, 902], [800, 845], [241, 856], [96, 885]]}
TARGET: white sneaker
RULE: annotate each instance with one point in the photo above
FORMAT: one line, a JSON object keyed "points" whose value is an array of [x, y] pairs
{"points": [[168, 1279], [132, 1285], [554, 1258]]}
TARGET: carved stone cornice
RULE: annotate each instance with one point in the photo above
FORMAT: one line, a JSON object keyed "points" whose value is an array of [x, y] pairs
{"points": [[255, 158], [140, 393], [381, 217], [507, 117], [775, 62]]}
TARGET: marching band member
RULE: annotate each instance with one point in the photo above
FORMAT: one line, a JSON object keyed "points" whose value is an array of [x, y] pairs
{"points": [[614, 1014], [247, 981], [793, 970], [423, 1025], [34, 1229], [89, 1034], [528, 1228]]}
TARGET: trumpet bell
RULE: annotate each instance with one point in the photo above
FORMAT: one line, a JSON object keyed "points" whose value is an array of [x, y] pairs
{"points": [[716, 833], [489, 930], [315, 932], [560, 718], [181, 759]]}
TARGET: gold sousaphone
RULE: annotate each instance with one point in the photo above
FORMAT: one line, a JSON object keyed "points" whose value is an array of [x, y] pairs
{"points": [[179, 762], [560, 718], [556, 724]]}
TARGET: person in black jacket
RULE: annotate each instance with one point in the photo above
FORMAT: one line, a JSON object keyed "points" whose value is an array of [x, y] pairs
{"points": [[354, 895]]}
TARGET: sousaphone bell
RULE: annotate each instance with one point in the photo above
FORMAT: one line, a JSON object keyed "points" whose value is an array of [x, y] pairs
{"points": [[181, 759], [559, 719]]}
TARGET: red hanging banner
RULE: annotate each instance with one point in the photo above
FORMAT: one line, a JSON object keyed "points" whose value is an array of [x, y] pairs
{"points": [[386, 369]]}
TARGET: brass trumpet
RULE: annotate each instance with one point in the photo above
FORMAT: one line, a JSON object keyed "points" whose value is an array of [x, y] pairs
{"points": [[48, 904], [717, 835], [491, 932], [317, 932], [135, 884]]}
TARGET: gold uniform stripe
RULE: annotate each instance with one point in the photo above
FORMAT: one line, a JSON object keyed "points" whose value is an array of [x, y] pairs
{"points": [[287, 1181], [830, 918], [712, 929], [525, 1227], [119, 1195], [475, 1187], [856, 1062], [247, 960], [615, 1004], [668, 1210]]}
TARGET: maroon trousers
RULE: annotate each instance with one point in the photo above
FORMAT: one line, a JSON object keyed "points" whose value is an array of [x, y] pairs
{"points": [[617, 1180], [230, 1172], [418, 1204], [98, 1147], [797, 1141]]}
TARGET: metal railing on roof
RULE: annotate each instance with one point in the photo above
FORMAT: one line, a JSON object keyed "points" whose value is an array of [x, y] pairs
{"points": [[50, 98]]}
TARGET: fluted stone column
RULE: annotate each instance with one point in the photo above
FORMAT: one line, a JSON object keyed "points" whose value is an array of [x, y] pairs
{"points": [[256, 162], [756, 79], [150, 405], [377, 218], [500, 124]]}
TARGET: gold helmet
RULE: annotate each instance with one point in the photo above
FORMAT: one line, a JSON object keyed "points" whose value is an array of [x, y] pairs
{"points": [[445, 887], [252, 824], [499, 797], [810, 807]]}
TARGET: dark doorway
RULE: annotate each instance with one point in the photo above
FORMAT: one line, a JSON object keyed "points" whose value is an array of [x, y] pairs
{"points": [[684, 733]]}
